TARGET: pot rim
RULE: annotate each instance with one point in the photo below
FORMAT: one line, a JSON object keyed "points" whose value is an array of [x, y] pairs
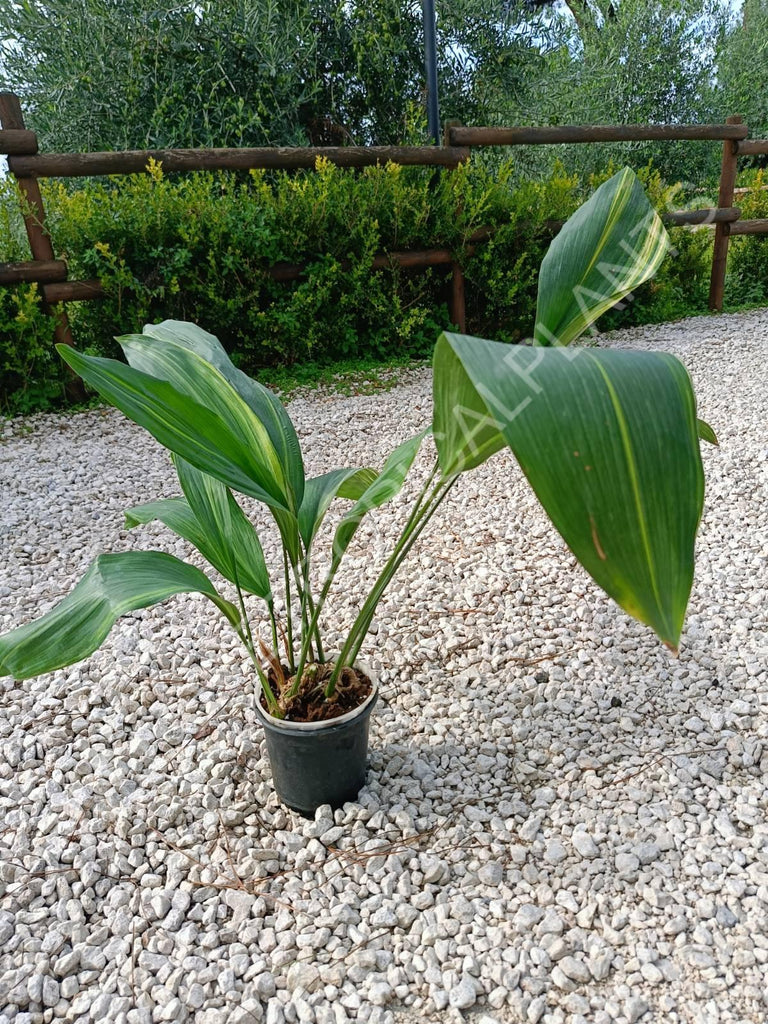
{"points": [[279, 723]]}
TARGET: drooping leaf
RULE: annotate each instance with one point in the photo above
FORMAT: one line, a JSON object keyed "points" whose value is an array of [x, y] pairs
{"points": [[266, 405], [387, 484], [320, 491], [465, 434], [112, 586], [613, 243], [240, 556], [180, 423], [608, 441], [176, 514]]}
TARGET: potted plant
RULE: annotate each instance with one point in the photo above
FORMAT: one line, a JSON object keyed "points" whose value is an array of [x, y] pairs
{"points": [[608, 439]]}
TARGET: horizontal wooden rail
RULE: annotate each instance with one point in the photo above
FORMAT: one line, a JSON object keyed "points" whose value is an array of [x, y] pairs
{"points": [[533, 136], [17, 140], [72, 291], [78, 165], [31, 271], [749, 227], [707, 216], [752, 147]]}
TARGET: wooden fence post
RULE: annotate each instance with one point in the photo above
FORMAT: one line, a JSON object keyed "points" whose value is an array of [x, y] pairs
{"points": [[11, 116], [723, 229], [458, 307], [458, 302]]}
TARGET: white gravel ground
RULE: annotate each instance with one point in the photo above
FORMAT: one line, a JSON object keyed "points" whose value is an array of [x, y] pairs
{"points": [[561, 824]]}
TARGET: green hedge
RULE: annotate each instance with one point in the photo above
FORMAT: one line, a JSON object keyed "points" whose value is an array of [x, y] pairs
{"points": [[198, 248], [748, 263], [29, 371]]}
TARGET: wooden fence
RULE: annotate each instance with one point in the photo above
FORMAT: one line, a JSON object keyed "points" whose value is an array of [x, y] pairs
{"points": [[726, 218], [27, 165]]}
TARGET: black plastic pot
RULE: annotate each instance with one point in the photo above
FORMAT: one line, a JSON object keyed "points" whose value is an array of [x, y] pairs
{"points": [[319, 762]]}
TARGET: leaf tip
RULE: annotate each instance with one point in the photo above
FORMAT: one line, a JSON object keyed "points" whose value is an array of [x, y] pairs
{"points": [[706, 433]]}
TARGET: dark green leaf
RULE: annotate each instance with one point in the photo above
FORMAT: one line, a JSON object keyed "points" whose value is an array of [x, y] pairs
{"points": [[241, 550], [387, 484], [239, 555], [320, 491], [180, 423], [706, 433], [266, 405], [194, 376], [608, 441]]}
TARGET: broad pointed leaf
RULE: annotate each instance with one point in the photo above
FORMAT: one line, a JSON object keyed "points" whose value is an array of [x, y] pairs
{"points": [[613, 243], [193, 376], [706, 433], [112, 586], [180, 423], [320, 491], [177, 515], [387, 484], [266, 405], [239, 555], [608, 441], [465, 434]]}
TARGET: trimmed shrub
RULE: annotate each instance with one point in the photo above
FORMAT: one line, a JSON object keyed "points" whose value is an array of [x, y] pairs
{"points": [[199, 247], [31, 373], [747, 278]]}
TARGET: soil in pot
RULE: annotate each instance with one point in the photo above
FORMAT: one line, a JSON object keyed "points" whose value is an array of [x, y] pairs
{"points": [[310, 704]]}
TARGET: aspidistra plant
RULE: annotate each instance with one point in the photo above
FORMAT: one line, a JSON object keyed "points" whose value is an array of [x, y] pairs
{"points": [[607, 438]]}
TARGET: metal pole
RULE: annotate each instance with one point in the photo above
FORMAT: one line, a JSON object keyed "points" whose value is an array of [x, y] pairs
{"points": [[430, 66]]}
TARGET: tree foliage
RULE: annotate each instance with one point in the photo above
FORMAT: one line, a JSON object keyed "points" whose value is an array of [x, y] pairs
{"points": [[121, 74], [743, 67], [117, 74], [632, 62]]}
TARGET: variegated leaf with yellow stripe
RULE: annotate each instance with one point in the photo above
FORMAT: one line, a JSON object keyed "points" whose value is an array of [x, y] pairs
{"points": [[262, 402], [610, 246], [609, 440]]}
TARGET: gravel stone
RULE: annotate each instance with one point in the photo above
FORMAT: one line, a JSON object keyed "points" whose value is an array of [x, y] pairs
{"points": [[636, 1007], [67, 964], [303, 975], [50, 991], [463, 995], [491, 873], [575, 969], [526, 917], [380, 993], [584, 844]]}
